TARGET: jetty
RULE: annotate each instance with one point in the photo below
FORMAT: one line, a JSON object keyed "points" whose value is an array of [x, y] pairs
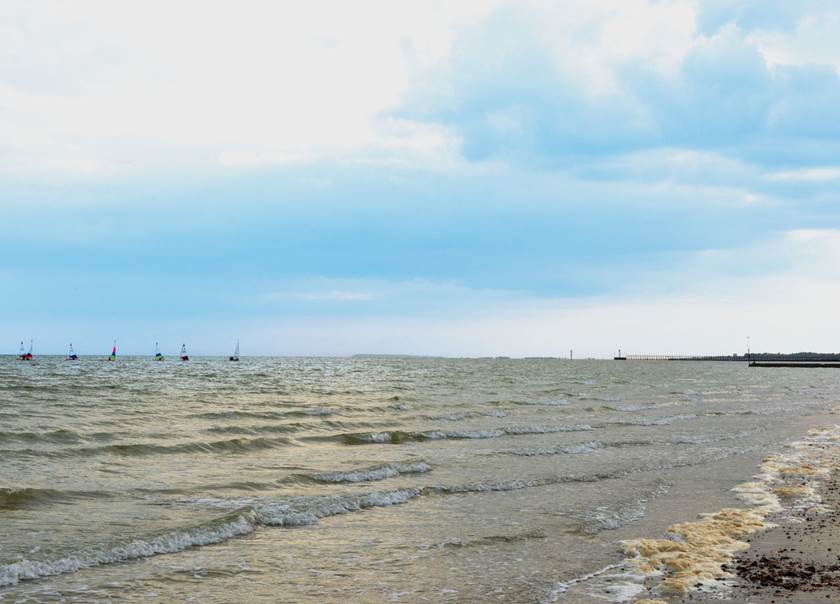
{"points": [[762, 359], [668, 357], [825, 364]]}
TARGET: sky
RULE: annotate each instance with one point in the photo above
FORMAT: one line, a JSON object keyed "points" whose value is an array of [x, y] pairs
{"points": [[464, 178]]}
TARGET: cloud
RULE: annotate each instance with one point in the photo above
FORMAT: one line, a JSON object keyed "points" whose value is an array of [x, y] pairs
{"points": [[513, 89]]}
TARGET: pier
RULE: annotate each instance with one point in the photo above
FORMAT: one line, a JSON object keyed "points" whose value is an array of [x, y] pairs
{"points": [[667, 357], [798, 359]]}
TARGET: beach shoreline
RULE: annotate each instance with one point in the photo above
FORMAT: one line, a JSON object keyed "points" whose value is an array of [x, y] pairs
{"points": [[793, 558], [797, 561]]}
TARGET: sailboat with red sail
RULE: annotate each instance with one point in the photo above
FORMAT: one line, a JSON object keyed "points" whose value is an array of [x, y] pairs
{"points": [[23, 355]]}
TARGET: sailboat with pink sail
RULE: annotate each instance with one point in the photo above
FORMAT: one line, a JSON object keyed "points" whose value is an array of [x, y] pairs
{"points": [[113, 356]]}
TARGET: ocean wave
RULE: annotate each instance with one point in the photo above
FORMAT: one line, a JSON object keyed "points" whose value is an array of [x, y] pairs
{"points": [[381, 472], [520, 484], [12, 498], [491, 540], [238, 414], [654, 421], [629, 408], [586, 447], [248, 515], [398, 436], [60, 436], [459, 415], [560, 402], [233, 445], [614, 516], [166, 543]]}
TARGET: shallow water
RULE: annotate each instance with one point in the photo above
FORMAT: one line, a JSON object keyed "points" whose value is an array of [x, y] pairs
{"points": [[385, 479]]}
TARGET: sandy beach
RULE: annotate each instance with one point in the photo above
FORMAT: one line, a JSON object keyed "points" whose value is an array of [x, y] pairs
{"points": [[798, 561], [784, 547]]}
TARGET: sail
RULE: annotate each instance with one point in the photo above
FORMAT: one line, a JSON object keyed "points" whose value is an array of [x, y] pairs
{"points": [[184, 356], [22, 349], [25, 356], [236, 352], [158, 355], [71, 354], [113, 356]]}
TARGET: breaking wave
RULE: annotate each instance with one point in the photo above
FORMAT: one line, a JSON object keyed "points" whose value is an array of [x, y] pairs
{"points": [[560, 402], [382, 472], [586, 447], [247, 516], [398, 436]]}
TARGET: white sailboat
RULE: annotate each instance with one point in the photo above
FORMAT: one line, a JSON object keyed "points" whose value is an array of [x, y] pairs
{"points": [[25, 356], [235, 356], [158, 355], [184, 355], [71, 354]]}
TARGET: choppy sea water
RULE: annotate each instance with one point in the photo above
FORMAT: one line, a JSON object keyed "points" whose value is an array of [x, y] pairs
{"points": [[369, 479]]}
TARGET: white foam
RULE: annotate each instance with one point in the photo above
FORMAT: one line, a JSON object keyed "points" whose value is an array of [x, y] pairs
{"points": [[319, 411], [166, 543], [562, 587], [310, 510], [560, 402], [252, 512], [374, 473], [579, 448]]}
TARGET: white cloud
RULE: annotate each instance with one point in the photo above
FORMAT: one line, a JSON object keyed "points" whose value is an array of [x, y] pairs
{"points": [[99, 87], [96, 88]]}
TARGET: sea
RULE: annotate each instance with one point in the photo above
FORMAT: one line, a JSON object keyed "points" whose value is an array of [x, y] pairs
{"points": [[372, 479]]}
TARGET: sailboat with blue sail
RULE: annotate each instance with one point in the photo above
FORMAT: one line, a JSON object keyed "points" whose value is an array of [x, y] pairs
{"points": [[158, 355]]}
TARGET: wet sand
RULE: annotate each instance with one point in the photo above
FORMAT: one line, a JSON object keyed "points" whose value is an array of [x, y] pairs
{"points": [[796, 562], [799, 561]]}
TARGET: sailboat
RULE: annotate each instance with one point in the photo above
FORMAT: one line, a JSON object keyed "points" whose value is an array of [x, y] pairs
{"points": [[158, 355], [113, 356], [71, 355], [184, 355], [235, 356], [25, 356]]}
